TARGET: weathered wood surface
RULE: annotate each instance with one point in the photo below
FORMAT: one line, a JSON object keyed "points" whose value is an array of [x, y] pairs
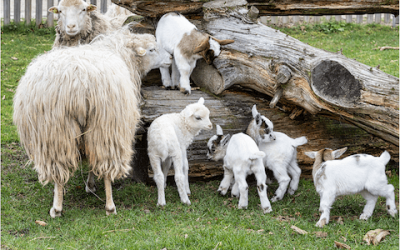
{"points": [[194, 8], [232, 110]]}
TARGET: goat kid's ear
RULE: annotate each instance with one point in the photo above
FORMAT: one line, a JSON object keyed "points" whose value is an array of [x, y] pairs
{"points": [[54, 9], [204, 45], [337, 153], [219, 130], [140, 51], [91, 7], [312, 155], [201, 101], [254, 111], [223, 42], [225, 139]]}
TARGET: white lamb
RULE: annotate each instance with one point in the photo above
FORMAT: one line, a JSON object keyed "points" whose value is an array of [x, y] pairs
{"points": [[241, 158], [280, 153], [84, 100], [181, 39], [360, 173], [169, 136]]}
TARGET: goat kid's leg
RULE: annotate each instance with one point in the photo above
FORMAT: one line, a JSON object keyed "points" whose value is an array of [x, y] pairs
{"points": [[386, 191], [175, 75], [235, 189], [283, 179], [165, 77], [90, 183], [159, 179], [56, 210], [326, 202], [110, 206], [262, 189], [166, 165], [243, 189], [180, 179], [184, 69], [294, 172], [369, 207], [226, 181]]}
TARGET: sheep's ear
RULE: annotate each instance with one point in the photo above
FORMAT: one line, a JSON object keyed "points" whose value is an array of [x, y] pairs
{"points": [[54, 9], [312, 155], [204, 45], [225, 139], [140, 51], [201, 100], [219, 130], [91, 7], [254, 111], [337, 153]]}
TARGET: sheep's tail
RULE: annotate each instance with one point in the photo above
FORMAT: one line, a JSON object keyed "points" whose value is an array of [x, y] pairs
{"points": [[299, 141], [255, 156], [384, 158]]}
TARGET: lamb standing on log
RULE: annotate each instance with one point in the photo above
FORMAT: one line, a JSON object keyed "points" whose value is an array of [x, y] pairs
{"points": [[169, 136], [80, 23], [280, 153], [241, 158], [360, 173], [84, 100], [181, 39]]}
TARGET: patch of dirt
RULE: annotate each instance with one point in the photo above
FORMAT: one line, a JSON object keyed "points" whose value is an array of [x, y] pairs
{"points": [[15, 157]]}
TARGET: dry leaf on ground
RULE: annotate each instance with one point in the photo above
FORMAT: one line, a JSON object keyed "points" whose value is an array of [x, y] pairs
{"points": [[375, 236], [321, 234], [298, 230], [341, 245], [42, 223]]}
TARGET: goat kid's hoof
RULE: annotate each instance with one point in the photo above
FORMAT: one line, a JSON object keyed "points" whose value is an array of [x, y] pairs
{"points": [[161, 204], [392, 212], [185, 91], [242, 207], [186, 202], [222, 191], [275, 199], [267, 210], [291, 191], [168, 88], [55, 212], [365, 216], [321, 223]]}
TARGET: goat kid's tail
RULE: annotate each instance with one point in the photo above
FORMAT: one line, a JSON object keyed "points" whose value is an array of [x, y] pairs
{"points": [[255, 156], [384, 158], [299, 141]]}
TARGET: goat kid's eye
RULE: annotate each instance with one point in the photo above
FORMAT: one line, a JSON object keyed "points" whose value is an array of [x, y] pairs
{"points": [[152, 50]]}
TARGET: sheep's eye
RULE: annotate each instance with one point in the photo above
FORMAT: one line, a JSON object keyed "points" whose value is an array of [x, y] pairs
{"points": [[152, 50], [84, 10], [198, 118], [59, 11]]}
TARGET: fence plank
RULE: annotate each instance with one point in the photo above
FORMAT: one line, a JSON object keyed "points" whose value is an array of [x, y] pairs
{"points": [[378, 18], [274, 20], [17, 11], [359, 18], [296, 19], [50, 15], [387, 18], [395, 21], [6, 9], [349, 18], [38, 10], [370, 18], [338, 18], [28, 11], [103, 7], [285, 19], [317, 19]]}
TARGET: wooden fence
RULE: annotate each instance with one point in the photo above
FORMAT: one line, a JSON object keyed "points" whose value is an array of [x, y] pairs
{"points": [[28, 10]]}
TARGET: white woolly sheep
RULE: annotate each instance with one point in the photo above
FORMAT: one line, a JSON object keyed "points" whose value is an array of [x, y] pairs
{"points": [[280, 153], [181, 39], [84, 100], [80, 23], [360, 173], [168, 137], [241, 158]]}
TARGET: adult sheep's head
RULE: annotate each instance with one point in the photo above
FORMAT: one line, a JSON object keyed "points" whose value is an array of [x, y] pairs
{"points": [[74, 15], [260, 128], [210, 48]]}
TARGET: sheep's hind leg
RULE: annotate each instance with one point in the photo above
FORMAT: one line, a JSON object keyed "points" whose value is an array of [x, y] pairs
{"points": [[369, 207], [185, 168], [56, 210], [166, 165], [90, 184], [159, 179], [180, 179], [110, 206]]}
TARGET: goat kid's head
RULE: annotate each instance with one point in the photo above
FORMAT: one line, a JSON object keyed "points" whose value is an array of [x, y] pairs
{"points": [[216, 146], [74, 15], [210, 48], [151, 55], [197, 115], [261, 128]]}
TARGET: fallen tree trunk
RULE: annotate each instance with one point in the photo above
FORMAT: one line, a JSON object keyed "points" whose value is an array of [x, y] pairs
{"points": [[194, 8]]}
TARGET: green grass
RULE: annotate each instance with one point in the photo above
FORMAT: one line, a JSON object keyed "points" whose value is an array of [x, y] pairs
{"points": [[211, 222]]}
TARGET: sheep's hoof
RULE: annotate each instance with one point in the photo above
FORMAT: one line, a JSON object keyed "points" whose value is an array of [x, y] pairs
{"points": [[90, 189], [321, 223], [267, 210], [55, 213], [111, 211]]}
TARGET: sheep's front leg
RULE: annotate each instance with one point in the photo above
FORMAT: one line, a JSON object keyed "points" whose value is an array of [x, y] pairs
{"points": [[294, 172], [326, 202], [56, 210], [280, 174], [180, 179], [262, 189], [155, 163], [90, 184], [243, 189], [369, 207], [226, 181], [165, 77], [110, 206]]}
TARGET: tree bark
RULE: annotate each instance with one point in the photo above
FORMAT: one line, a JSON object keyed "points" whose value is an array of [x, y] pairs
{"points": [[194, 8]]}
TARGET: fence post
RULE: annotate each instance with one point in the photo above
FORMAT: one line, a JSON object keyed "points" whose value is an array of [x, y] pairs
{"points": [[103, 4], [328, 18], [17, 11], [378, 18], [395, 21], [274, 20], [38, 10], [28, 11], [349, 18], [6, 6], [387, 18], [317, 19], [338, 18], [370, 18], [50, 15], [296, 19], [359, 19], [285, 19]]}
